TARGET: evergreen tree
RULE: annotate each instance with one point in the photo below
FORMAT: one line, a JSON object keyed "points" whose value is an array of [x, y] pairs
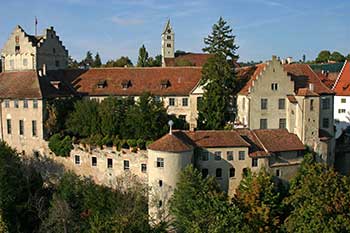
{"points": [[89, 60], [323, 56], [97, 61], [156, 61], [218, 80], [142, 60], [221, 41]]}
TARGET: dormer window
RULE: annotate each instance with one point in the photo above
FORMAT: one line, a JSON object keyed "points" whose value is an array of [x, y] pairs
{"points": [[165, 83], [102, 84], [126, 84], [56, 84]]}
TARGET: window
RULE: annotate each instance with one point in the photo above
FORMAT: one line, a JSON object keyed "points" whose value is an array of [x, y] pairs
{"points": [[35, 103], [109, 163], [311, 105], [281, 104], [205, 172], [254, 162], [160, 162], [232, 172], [229, 155], [160, 203], [94, 161], [15, 103], [126, 165], [143, 168], [25, 103], [54, 50], [263, 104], [21, 127], [282, 123], [326, 104], [17, 49], [160, 183], [217, 155], [34, 129], [278, 172], [25, 61], [341, 110], [171, 101], [325, 123], [343, 100], [241, 155], [168, 37], [57, 63], [168, 45], [205, 155], [185, 102], [9, 126], [274, 86], [263, 123], [77, 159], [218, 173], [7, 103]]}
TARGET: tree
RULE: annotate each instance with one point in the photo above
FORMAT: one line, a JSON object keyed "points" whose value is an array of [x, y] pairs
{"points": [[218, 80], [156, 61], [199, 205], [72, 63], [88, 60], [3, 227], [260, 201], [121, 62], [348, 57], [304, 58], [221, 41], [61, 146], [142, 60], [323, 56], [319, 200], [337, 57], [180, 52], [97, 61]]}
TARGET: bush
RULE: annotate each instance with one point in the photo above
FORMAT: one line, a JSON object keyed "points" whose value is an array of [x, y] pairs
{"points": [[60, 146], [132, 142]]}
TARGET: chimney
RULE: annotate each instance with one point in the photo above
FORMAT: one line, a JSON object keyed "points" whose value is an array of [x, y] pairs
{"points": [[311, 86], [44, 69]]}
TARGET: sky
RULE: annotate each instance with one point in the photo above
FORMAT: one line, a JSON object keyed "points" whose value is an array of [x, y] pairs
{"points": [[117, 28]]}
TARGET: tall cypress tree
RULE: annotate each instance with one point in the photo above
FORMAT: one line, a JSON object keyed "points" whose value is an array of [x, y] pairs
{"points": [[97, 61], [142, 60]]}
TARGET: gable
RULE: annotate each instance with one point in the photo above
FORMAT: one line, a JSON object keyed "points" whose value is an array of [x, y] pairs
{"points": [[19, 38]]}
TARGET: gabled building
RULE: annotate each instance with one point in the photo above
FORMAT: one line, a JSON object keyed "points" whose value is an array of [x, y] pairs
{"points": [[289, 96]]}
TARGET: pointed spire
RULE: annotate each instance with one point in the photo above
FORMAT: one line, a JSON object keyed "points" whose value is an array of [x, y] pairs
{"points": [[167, 26]]}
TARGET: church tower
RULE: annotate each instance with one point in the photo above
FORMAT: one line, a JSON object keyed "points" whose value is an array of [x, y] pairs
{"points": [[168, 42]]}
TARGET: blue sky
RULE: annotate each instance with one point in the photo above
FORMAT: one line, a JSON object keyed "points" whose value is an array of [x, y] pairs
{"points": [[117, 28]]}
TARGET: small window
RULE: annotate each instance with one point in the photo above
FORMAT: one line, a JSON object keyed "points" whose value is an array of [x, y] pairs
{"points": [[168, 37], [229, 155], [343, 100], [126, 165], [217, 155], [34, 129], [109, 163], [9, 126], [17, 49], [325, 122], [94, 161], [185, 102], [143, 168], [326, 104], [218, 173], [7, 103], [263, 123], [57, 63], [311, 105], [341, 110], [25, 62], [77, 159], [160, 162], [168, 45], [274, 86], [232, 172], [254, 162], [263, 104], [25, 103], [35, 103], [160, 183], [16, 103], [171, 101], [160, 203], [281, 104], [21, 127], [241, 155], [205, 172], [278, 172], [283, 123], [205, 155]]}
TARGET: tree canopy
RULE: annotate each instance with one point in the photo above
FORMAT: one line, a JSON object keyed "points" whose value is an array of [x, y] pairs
{"points": [[142, 60]]}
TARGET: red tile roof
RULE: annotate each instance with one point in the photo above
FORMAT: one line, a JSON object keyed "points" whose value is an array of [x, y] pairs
{"points": [[181, 80], [342, 85], [328, 78], [171, 143], [254, 71], [306, 92]]}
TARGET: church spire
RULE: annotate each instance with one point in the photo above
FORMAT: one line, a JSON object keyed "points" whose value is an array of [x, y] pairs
{"points": [[168, 42]]}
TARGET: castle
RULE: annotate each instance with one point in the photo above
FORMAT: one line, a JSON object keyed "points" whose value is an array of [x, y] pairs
{"points": [[282, 108]]}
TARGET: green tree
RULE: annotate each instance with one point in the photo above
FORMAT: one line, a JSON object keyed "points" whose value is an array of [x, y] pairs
{"points": [[348, 57], [120, 62], [88, 60], [142, 60], [218, 80], [337, 57], [84, 120], [221, 41], [199, 205], [61, 146], [319, 200], [156, 61], [323, 56], [260, 201], [97, 61], [72, 63]]}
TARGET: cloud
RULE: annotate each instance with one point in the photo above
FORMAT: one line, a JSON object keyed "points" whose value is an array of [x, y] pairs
{"points": [[126, 21]]}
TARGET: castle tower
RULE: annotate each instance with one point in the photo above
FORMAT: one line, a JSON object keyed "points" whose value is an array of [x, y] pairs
{"points": [[168, 43]]}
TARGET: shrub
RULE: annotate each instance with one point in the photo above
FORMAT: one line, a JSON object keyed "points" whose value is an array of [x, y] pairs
{"points": [[60, 146]]}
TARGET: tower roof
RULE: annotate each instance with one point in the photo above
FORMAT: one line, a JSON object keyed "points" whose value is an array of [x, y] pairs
{"points": [[167, 26]]}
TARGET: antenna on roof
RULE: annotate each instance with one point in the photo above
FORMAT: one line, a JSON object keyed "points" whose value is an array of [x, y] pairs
{"points": [[171, 123]]}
